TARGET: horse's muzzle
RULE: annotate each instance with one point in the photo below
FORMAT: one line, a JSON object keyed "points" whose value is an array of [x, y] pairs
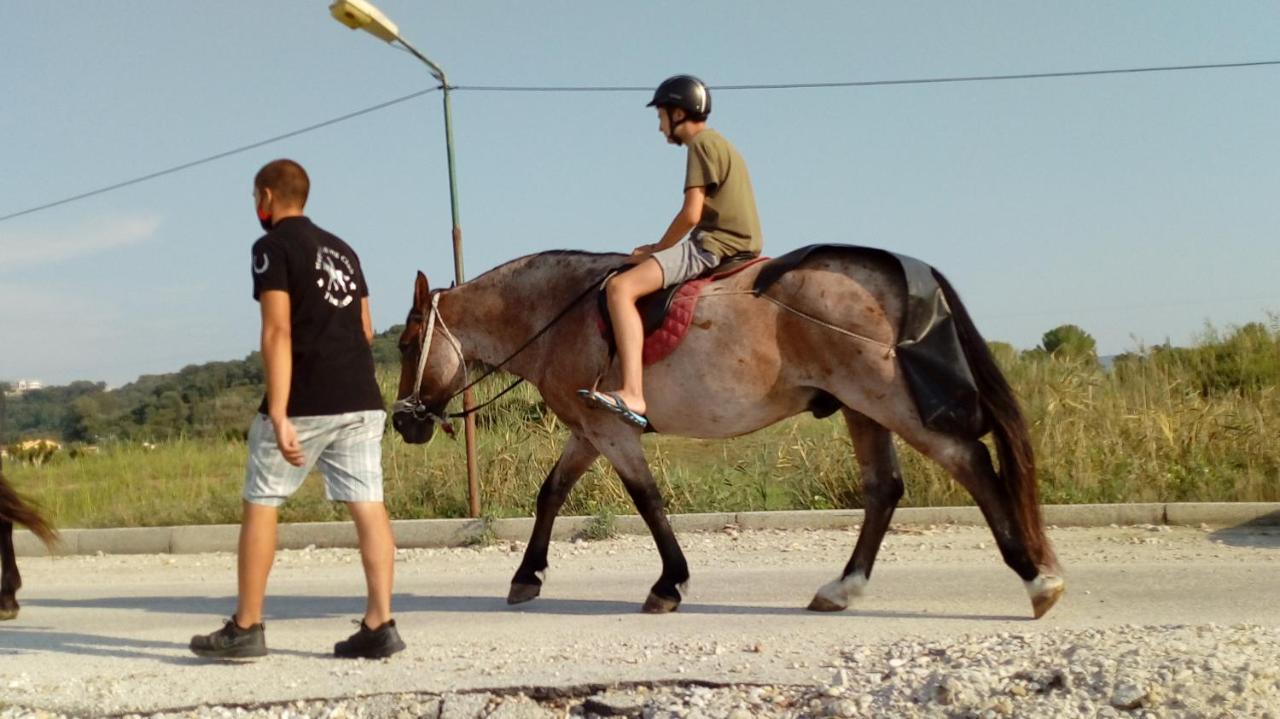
{"points": [[413, 430]]}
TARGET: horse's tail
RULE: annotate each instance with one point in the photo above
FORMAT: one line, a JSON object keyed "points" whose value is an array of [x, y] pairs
{"points": [[1008, 427], [13, 508]]}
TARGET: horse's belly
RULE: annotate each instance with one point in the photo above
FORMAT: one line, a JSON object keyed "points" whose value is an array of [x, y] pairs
{"points": [[712, 388], [711, 417]]}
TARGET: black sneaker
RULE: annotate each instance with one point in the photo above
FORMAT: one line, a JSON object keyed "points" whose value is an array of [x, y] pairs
{"points": [[231, 642], [370, 643]]}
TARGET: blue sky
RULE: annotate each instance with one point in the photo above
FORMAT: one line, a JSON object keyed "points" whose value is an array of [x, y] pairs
{"points": [[1137, 206]]}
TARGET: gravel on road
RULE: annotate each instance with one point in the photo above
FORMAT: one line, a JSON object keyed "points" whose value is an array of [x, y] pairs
{"points": [[1089, 658]]}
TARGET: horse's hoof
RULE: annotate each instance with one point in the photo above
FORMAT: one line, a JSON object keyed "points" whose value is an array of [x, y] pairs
{"points": [[1045, 590], [521, 593], [822, 604], [7, 613], [659, 605], [834, 595]]}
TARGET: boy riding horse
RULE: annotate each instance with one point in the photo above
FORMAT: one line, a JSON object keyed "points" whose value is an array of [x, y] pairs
{"points": [[718, 217]]}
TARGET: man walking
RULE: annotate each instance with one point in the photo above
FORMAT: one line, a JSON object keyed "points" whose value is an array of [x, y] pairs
{"points": [[322, 408]]}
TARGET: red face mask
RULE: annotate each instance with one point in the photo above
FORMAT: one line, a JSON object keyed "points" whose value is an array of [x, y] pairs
{"points": [[264, 219]]}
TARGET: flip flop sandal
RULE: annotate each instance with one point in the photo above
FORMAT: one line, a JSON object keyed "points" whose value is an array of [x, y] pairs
{"points": [[611, 402]]}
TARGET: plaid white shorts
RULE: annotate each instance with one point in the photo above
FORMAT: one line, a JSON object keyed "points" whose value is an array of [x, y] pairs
{"points": [[347, 447]]}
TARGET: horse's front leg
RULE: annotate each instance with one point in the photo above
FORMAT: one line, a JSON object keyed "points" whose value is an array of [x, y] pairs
{"points": [[10, 580], [620, 443], [577, 456], [881, 489]]}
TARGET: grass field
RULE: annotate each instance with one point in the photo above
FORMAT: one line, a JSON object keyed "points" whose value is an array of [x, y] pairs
{"points": [[1145, 434]]}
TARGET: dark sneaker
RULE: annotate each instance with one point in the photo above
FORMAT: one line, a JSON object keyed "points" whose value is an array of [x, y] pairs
{"points": [[231, 642], [370, 643]]}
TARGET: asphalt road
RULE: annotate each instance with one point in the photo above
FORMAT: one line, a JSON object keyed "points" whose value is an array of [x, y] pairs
{"points": [[109, 634]]}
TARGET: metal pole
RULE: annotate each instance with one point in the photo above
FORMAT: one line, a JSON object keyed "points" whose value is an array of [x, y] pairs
{"points": [[468, 399]]}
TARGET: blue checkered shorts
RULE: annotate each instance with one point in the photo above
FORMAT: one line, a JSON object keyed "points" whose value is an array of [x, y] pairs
{"points": [[347, 448]]}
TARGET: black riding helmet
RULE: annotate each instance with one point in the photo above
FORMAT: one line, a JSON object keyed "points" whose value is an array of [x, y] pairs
{"points": [[685, 92]]}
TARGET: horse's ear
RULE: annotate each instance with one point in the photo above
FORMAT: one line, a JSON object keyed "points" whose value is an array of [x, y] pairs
{"points": [[421, 290]]}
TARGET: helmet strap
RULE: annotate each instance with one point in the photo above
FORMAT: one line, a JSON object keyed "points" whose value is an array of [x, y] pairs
{"points": [[673, 123]]}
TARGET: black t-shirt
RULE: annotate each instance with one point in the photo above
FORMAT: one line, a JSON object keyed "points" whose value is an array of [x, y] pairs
{"points": [[332, 362]]}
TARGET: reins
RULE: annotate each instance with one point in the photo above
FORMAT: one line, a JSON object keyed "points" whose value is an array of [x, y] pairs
{"points": [[413, 403]]}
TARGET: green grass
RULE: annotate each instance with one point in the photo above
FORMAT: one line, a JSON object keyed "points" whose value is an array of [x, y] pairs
{"points": [[1146, 434]]}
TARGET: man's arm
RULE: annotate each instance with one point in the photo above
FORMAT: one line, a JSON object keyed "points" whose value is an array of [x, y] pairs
{"points": [[366, 319], [277, 357], [686, 219]]}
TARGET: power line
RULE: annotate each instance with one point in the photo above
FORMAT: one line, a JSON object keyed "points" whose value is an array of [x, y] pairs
{"points": [[627, 88], [220, 155], [867, 83]]}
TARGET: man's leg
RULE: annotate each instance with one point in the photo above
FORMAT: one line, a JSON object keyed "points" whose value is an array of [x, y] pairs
{"points": [[257, 553], [378, 554], [628, 328]]}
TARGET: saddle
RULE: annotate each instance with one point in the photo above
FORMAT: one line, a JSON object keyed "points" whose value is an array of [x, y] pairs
{"points": [[667, 313]]}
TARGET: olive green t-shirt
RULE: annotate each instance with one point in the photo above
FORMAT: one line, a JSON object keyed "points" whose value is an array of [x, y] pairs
{"points": [[729, 222]]}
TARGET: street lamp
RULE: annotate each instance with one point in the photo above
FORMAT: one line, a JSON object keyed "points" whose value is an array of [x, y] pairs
{"points": [[362, 15]]}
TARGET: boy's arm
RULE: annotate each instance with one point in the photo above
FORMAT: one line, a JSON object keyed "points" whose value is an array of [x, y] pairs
{"points": [[277, 358], [686, 219]]}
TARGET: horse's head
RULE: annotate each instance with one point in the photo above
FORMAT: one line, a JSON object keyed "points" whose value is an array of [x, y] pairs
{"points": [[427, 382]]}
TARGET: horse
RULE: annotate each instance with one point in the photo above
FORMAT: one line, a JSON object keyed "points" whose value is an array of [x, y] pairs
{"points": [[820, 340], [15, 510]]}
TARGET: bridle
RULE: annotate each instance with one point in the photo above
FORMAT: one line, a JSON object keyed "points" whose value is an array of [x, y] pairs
{"points": [[413, 404]]}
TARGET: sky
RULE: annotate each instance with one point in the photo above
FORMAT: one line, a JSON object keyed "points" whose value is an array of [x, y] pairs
{"points": [[1141, 207]]}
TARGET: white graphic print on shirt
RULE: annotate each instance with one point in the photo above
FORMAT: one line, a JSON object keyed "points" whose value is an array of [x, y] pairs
{"points": [[339, 286]]}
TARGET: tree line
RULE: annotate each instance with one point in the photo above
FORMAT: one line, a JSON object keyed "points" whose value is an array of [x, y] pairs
{"points": [[216, 399]]}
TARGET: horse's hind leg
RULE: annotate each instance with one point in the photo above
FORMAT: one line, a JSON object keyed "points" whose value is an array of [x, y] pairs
{"points": [[577, 456], [882, 488], [1023, 545], [10, 580]]}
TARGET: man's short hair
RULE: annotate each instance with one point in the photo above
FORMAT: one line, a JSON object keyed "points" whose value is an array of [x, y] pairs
{"points": [[286, 179]]}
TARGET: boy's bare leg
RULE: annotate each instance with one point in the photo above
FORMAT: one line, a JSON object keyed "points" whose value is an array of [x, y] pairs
{"points": [[628, 328], [257, 552], [378, 554]]}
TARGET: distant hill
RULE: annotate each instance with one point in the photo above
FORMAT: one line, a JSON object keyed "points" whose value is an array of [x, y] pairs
{"points": [[214, 399]]}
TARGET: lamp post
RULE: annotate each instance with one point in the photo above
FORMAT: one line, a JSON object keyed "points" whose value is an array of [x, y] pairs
{"points": [[362, 15]]}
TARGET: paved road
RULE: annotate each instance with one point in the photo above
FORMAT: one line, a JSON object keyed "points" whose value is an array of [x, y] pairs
{"points": [[109, 634]]}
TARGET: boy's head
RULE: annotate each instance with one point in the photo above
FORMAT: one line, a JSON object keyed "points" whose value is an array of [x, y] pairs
{"points": [[683, 103], [279, 190]]}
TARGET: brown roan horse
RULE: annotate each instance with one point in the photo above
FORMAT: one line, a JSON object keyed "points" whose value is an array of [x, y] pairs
{"points": [[822, 337]]}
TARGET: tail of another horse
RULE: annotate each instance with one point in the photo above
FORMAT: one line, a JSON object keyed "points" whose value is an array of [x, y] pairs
{"points": [[1008, 427], [13, 508]]}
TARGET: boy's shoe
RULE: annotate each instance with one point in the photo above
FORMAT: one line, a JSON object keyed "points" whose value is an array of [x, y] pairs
{"points": [[370, 643], [231, 642]]}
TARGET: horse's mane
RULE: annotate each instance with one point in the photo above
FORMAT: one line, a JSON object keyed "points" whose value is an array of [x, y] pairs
{"points": [[595, 263]]}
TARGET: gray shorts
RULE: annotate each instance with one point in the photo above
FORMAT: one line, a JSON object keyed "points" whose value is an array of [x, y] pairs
{"points": [[347, 448], [684, 260]]}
